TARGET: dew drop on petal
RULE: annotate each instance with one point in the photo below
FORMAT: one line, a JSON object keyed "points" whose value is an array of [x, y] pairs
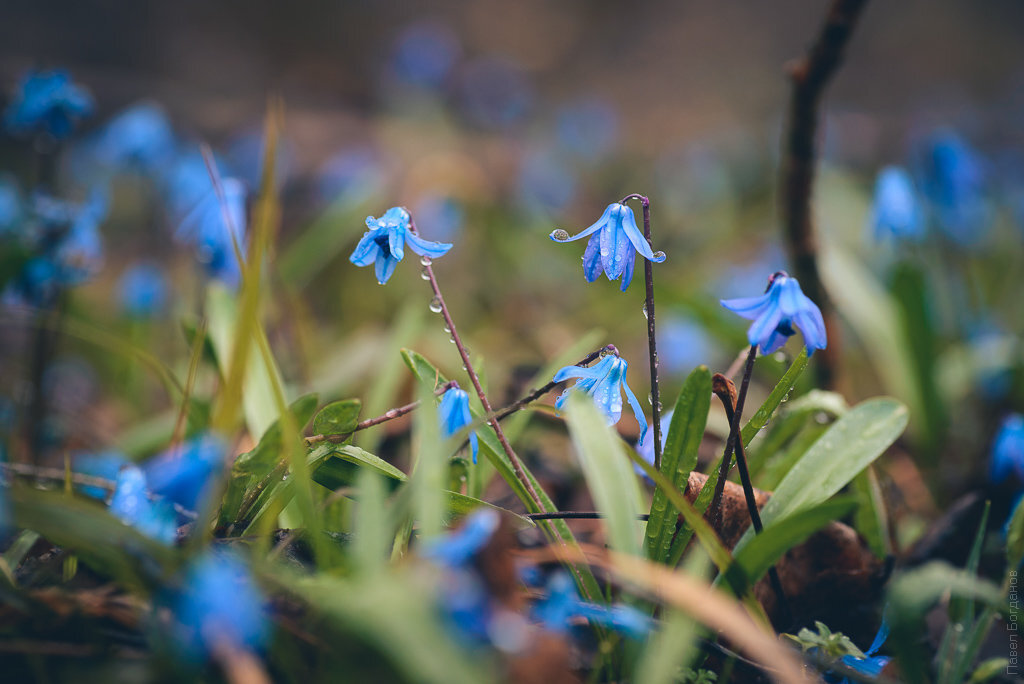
{"points": [[559, 235], [435, 305]]}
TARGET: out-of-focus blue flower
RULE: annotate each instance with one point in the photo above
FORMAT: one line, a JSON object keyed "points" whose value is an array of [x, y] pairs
{"points": [[546, 183], [12, 209], [245, 154], [220, 606], [106, 465], [588, 129], [36, 285], [131, 504], [351, 175], [614, 243], [604, 382], [454, 415], [140, 138], [776, 312], [1008, 450], [458, 547], [186, 181], [495, 93], [47, 101], [896, 212], [214, 229], [683, 344], [384, 243], [872, 665], [142, 290], [440, 216], [563, 604], [952, 180], [423, 54], [646, 449], [80, 252], [183, 474], [745, 276]]}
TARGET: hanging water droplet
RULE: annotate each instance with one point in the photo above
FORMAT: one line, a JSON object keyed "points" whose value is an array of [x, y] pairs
{"points": [[447, 329], [425, 261], [659, 255], [424, 274], [559, 235], [650, 399], [780, 357], [645, 309], [435, 305], [821, 418], [452, 340], [467, 350]]}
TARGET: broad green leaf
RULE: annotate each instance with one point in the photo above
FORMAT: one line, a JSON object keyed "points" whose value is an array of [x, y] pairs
{"points": [[871, 519], [766, 548], [679, 458], [372, 540], [610, 478], [424, 370], [338, 465], [849, 446], [268, 452], [338, 417], [430, 468]]}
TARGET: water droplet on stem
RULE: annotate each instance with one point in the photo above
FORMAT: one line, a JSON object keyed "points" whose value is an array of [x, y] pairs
{"points": [[435, 305]]}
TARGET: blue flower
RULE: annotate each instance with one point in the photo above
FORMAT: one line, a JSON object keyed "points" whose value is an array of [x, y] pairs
{"points": [[872, 665], [457, 548], [1008, 450], [182, 474], [220, 606], [80, 252], [12, 209], [604, 382], [384, 243], [130, 503], [613, 246], [105, 465], [47, 101], [142, 290], [563, 604], [896, 212], [776, 312], [454, 415], [646, 449], [139, 138], [214, 229], [953, 181]]}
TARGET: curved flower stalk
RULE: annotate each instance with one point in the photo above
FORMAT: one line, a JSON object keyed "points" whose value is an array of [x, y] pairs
{"points": [[604, 382], [384, 243], [777, 311], [614, 243], [454, 414]]}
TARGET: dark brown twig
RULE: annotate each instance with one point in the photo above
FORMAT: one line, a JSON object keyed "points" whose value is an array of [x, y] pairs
{"points": [[721, 384], [810, 75]]}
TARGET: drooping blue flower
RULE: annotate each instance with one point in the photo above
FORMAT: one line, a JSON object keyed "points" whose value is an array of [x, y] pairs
{"points": [[454, 415], [36, 285], [872, 665], [1008, 450], [896, 212], [220, 606], [614, 243], [142, 290], [459, 546], [563, 604], [131, 503], [777, 311], [105, 465], [47, 101], [384, 243], [604, 382], [214, 229], [140, 139], [953, 182], [183, 474]]}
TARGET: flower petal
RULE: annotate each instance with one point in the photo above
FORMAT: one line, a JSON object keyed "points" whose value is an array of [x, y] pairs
{"points": [[638, 411], [627, 271], [597, 225], [749, 307], [812, 325], [426, 247], [592, 266], [385, 266], [365, 252], [774, 342], [578, 372], [765, 325], [614, 245], [396, 242], [632, 232]]}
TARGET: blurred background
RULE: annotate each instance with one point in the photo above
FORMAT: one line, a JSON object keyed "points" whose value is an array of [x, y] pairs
{"points": [[496, 123]]}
